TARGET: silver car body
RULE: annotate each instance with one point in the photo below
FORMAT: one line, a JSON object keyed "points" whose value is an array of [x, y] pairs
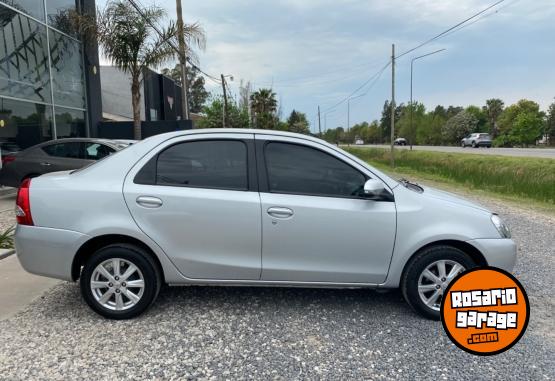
{"points": [[212, 236]]}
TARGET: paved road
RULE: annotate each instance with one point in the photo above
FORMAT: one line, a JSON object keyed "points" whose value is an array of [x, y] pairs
{"points": [[519, 152], [279, 333]]}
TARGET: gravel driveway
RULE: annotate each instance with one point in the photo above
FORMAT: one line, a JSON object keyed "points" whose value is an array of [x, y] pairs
{"points": [[278, 333]]}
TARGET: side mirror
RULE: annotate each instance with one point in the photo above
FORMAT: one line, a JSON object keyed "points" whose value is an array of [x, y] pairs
{"points": [[373, 187]]}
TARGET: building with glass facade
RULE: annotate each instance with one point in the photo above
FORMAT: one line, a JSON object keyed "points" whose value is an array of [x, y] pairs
{"points": [[49, 86]]}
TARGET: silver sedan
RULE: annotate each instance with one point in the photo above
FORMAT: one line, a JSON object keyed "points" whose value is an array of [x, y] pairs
{"points": [[247, 207]]}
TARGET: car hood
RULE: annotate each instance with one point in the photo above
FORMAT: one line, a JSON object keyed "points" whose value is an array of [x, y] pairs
{"points": [[449, 197]]}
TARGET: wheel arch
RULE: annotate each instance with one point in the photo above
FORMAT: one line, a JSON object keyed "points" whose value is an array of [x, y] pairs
{"points": [[465, 247], [95, 243]]}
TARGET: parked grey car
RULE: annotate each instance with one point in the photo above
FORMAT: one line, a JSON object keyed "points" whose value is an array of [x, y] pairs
{"points": [[247, 207], [477, 140], [55, 155]]}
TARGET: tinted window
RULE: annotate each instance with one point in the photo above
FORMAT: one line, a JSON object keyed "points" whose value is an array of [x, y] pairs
{"points": [[303, 170], [208, 164], [68, 150], [96, 151]]}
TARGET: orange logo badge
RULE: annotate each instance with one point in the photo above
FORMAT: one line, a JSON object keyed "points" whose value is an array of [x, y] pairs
{"points": [[485, 311]]}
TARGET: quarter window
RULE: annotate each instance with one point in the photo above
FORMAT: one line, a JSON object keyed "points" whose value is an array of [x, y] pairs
{"points": [[67, 150], [220, 164], [300, 169], [97, 151]]}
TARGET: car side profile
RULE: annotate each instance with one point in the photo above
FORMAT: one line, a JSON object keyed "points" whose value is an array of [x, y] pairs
{"points": [[477, 140], [247, 207], [53, 156]]}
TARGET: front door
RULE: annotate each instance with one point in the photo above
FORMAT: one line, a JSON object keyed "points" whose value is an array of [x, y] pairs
{"points": [[196, 200], [316, 225]]}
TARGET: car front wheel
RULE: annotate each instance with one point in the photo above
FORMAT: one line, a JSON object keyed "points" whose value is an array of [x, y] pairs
{"points": [[427, 276], [120, 281]]}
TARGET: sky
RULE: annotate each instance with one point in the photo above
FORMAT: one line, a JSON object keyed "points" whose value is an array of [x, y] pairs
{"points": [[317, 52]]}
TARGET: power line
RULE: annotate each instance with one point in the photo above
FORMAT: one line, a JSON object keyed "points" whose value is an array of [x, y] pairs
{"points": [[445, 32]]}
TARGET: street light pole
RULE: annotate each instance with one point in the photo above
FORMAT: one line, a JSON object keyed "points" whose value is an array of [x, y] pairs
{"points": [[411, 104]]}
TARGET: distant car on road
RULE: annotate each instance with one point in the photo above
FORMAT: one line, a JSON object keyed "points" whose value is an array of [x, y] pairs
{"points": [[400, 142], [477, 140], [359, 142], [53, 156]]}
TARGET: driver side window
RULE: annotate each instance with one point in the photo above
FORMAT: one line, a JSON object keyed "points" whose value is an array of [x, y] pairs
{"points": [[298, 169]]}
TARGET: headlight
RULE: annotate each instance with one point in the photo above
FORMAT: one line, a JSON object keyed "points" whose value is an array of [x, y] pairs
{"points": [[501, 227]]}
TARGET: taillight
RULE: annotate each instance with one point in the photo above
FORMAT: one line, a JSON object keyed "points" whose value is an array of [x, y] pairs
{"points": [[23, 204], [7, 159]]}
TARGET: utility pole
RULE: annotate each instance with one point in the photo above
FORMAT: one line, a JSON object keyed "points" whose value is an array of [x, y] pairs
{"points": [[319, 123], [225, 102], [392, 102], [182, 60]]}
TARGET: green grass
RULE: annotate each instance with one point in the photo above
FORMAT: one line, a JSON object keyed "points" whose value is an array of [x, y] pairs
{"points": [[528, 179]]}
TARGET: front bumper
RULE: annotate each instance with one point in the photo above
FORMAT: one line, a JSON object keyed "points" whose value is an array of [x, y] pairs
{"points": [[46, 251], [499, 253]]}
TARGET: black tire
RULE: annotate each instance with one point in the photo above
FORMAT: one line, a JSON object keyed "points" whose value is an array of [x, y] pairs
{"points": [[138, 257], [463, 145], [473, 144], [415, 267]]}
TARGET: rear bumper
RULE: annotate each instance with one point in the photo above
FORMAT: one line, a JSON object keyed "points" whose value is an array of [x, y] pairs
{"points": [[47, 252], [499, 253]]}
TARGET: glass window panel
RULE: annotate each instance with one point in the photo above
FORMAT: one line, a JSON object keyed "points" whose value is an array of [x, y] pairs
{"points": [[300, 169], [23, 57], [204, 164], [34, 8], [58, 12], [67, 71], [24, 124], [70, 123]]}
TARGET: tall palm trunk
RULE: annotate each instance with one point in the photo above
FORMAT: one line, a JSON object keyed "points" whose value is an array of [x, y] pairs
{"points": [[136, 102]]}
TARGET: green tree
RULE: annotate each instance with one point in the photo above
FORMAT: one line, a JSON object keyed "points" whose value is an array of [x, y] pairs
{"points": [[492, 110], [404, 125], [480, 116], [298, 123], [264, 107], [236, 117], [550, 125], [458, 127], [196, 92], [519, 124], [385, 121], [130, 43]]}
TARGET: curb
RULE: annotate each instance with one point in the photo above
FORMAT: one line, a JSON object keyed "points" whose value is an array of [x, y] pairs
{"points": [[7, 254]]}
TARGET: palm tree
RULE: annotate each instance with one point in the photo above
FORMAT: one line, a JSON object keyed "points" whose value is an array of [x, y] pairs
{"points": [[129, 41], [264, 101], [493, 110]]}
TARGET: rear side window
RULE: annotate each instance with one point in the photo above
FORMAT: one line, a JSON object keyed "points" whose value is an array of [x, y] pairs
{"points": [[300, 169], [219, 164], [97, 151], [67, 150]]}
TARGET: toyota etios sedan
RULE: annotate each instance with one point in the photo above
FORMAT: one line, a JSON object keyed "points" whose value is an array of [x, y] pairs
{"points": [[247, 207]]}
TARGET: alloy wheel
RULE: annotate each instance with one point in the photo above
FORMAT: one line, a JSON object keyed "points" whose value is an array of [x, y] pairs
{"points": [[434, 280], [117, 284]]}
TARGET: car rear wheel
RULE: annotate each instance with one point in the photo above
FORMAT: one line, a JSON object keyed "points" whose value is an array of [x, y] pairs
{"points": [[120, 281], [473, 144], [427, 276]]}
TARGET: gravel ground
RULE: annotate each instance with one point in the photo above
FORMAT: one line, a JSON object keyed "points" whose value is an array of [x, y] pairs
{"points": [[278, 333]]}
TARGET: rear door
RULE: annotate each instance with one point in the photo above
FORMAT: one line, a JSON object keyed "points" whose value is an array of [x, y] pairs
{"points": [[60, 157], [316, 225], [197, 198]]}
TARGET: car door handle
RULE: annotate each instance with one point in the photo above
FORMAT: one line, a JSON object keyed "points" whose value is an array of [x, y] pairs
{"points": [[45, 164], [279, 212], [149, 201]]}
